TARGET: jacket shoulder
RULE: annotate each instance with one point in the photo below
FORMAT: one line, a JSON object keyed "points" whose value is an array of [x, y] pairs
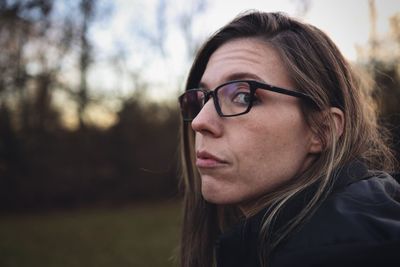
{"points": [[362, 218], [366, 210]]}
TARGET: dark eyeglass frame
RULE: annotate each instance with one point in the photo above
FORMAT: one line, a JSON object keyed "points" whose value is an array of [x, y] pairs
{"points": [[253, 86]]}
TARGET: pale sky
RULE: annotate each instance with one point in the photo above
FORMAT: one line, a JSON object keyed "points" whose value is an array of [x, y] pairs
{"points": [[345, 21]]}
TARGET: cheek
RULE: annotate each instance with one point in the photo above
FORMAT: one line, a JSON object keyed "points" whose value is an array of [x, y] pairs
{"points": [[272, 152], [264, 153]]}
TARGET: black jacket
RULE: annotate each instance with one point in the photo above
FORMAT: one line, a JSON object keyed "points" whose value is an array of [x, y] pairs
{"points": [[357, 225]]}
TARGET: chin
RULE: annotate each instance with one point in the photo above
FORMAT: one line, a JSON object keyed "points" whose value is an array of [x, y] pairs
{"points": [[216, 197], [219, 201], [219, 192]]}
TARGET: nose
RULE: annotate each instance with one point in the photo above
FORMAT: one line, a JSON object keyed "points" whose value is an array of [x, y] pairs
{"points": [[208, 121]]}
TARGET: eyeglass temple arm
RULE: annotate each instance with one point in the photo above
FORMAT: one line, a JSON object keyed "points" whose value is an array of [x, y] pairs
{"points": [[285, 91]]}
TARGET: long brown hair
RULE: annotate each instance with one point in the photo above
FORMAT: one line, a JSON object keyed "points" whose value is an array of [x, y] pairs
{"points": [[317, 68]]}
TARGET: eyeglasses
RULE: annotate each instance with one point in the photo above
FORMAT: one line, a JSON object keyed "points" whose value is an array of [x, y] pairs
{"points": [[232, 98]]}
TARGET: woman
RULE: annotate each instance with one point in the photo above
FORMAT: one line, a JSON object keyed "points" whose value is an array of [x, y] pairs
{"points": [[278, 148]]}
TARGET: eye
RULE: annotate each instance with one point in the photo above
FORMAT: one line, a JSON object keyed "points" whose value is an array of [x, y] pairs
{"points": [[243, 98], [237, 93]]}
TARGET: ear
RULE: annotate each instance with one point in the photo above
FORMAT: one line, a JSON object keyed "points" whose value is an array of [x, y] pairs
{"points": [[316, 144], [338, 118]]}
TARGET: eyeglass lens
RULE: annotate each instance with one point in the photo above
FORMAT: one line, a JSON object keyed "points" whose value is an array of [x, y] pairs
{"points": [[233, 98]]}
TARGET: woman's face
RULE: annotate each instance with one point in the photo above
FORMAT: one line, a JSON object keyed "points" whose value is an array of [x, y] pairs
{"points": [[241, 158]]}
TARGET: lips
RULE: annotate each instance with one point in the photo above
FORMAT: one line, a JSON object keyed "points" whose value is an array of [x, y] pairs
{"points": [[205, 159]]}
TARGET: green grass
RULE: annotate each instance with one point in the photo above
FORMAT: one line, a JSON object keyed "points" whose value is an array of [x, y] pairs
{"points": [[141, 235]]}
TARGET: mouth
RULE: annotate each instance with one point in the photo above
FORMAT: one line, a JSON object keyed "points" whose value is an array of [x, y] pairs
{"points": [[206, 160]]}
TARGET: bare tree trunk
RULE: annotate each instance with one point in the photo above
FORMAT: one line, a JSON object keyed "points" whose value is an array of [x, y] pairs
{"points": [[87, 7]]}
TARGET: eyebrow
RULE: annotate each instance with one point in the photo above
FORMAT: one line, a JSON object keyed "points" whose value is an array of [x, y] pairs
{"points": [[236, 76]]}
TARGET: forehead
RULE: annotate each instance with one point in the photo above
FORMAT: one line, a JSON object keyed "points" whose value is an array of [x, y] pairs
{"points": [[247, 57]]}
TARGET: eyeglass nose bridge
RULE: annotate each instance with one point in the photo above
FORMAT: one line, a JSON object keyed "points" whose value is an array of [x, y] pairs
{"points": [[207, 96]]}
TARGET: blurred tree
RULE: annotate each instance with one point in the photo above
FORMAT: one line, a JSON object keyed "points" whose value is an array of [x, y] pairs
{"points": [[185, 15], [24, 84], [87, 8], [381, 58], [146, 141], [21, 90], [186, 20]]}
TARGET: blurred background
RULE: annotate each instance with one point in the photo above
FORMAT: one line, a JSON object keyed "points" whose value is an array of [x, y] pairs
{"points": [[89, 118]]}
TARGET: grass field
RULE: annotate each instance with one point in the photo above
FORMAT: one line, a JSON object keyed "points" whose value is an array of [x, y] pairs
{"points": [[140, 235]]}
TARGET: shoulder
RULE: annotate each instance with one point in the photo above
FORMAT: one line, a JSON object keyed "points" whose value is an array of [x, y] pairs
{"points": [[366, 210], [358, 225]]}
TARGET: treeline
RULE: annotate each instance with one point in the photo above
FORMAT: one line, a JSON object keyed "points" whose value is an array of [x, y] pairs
{"points": [[135, 159]]}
